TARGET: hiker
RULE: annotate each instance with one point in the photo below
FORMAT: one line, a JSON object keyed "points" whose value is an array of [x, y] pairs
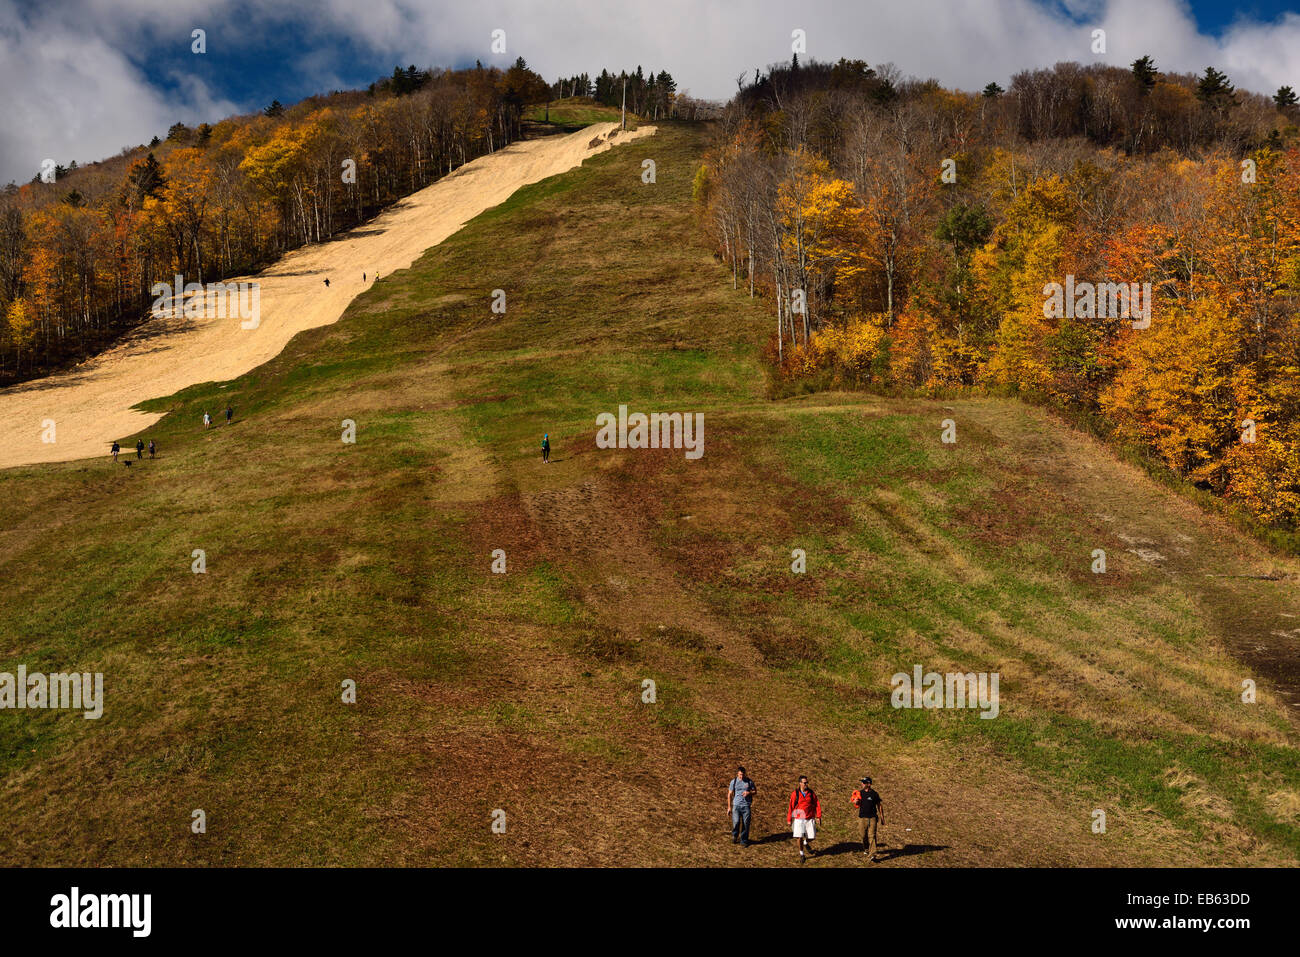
{"points": [[152, 448], [229, 413], [871, 813], [546, 447], [803, 811], [114, 450], [207, 420], [139, 448], [363, 277], [740, 802], [327, 282]]}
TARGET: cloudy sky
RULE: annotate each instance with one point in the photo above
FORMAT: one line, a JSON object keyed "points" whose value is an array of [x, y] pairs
{"points": [[84, 78]]}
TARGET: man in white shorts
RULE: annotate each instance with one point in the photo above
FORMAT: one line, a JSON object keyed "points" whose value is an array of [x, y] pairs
{"points": [[804, 814]]}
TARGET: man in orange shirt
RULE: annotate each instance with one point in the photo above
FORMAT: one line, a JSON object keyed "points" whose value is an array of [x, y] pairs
{"points": [[804, 810]]}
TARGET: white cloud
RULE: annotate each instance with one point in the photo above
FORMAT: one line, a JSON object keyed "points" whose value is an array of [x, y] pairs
{"points": [[73, 91], [72, 95]]}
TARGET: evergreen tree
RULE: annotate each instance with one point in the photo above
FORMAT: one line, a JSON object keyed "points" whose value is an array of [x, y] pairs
{"points": [[1214, 87], [1144, 72], [146, 178]]}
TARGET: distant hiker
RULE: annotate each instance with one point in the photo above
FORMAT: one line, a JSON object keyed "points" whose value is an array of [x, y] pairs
{"points": [[139, 448], [152, 448], [871, 813], [114, 450], [363, 277], [207, 421], [546, 447], [740, 801], [229, 413], [803, 811], [327, 282]]}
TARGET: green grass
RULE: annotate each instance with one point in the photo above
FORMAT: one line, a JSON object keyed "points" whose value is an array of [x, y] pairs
{"points": [[372, 562], [574, 113]]}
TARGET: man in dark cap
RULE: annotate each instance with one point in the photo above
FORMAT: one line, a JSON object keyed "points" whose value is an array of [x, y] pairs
{"points": [[871, 813]]}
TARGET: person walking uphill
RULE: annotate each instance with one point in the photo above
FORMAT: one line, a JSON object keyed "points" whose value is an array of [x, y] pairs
{"points": [[804, 810], [740, 802], [871, 813], [139, 448], [546, 447]]}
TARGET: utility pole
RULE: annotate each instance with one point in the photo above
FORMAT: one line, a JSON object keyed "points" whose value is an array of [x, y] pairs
{"points": [[625, 102]]}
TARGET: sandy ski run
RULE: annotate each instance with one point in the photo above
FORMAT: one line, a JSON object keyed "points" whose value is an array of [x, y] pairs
{"points": [[91, 405]]}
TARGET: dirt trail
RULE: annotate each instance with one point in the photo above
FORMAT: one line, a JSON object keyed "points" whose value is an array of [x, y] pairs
{"points": [[1247, 596], [91, 405], [763, 717], [591, 530]]}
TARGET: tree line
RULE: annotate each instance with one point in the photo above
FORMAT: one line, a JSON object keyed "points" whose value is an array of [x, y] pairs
{"points": [[79, 255], [651, 95], [908, 236]]}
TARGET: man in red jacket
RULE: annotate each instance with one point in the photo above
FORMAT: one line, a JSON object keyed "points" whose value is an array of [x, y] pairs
{"points": [[803, 811]]}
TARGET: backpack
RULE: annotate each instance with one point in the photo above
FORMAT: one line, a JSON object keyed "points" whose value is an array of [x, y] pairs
{"points": [[794, 797]]}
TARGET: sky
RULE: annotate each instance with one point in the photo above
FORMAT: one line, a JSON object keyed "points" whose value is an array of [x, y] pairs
{"points": [[83, 79]]}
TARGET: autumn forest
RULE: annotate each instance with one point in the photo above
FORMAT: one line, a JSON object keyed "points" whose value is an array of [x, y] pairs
{"points": [[80, 249], [908, 238], [906, 235]]}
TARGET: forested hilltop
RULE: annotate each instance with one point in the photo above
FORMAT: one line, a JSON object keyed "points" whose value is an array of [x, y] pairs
{"points": [[910, 236], [80, 253], [645, 93]]}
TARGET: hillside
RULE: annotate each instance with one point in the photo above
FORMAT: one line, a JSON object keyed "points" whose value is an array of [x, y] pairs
{"points": [[1118, 243], [523, 691], [575, 113], [94, 404]]}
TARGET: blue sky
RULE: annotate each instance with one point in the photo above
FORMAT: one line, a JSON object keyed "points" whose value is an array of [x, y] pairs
{"points": [[252, 74], [1214, 17], [85, 78]]}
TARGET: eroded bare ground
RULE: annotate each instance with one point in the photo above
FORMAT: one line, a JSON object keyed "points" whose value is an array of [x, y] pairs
{"points": [[950, 806], [1248, 596]]}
